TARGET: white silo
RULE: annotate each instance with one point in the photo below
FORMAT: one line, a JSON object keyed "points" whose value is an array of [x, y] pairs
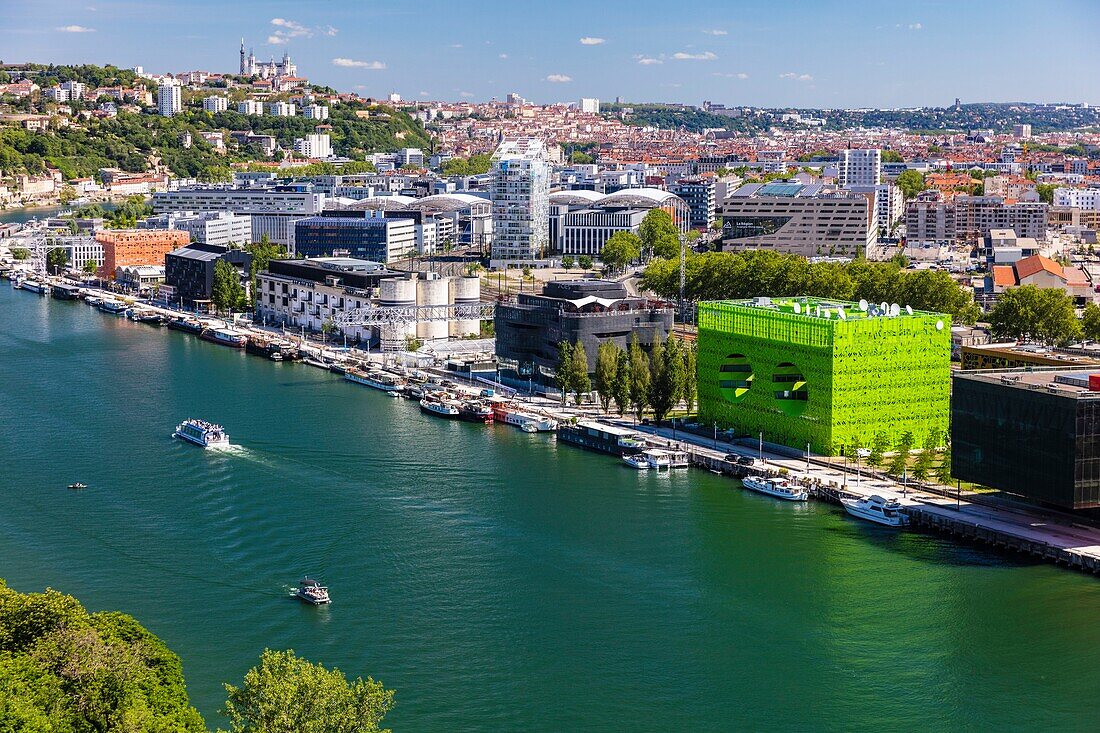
{"points": [[465, 291], [399, 292], [431, 291]]}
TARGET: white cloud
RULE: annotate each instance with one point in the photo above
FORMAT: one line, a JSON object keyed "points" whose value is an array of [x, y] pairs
{"points": [[275, 40], [558, 78], [647, 60], [704, 56], [716, 32], [75, 29], [503, 56], [292, 27], [796, 77], [353, 64], [592, 41], [467, 95], [425, 94], [915, 26], [330, 31], [731, 75], [286, 29], [455, 45]]}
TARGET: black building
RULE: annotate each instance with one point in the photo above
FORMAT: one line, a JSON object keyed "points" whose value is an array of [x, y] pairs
{"points": [[190, 269], [1033, 433], [529, 329], [355, 233]]}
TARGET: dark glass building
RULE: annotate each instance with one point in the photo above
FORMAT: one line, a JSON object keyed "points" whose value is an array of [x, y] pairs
{"points": [[354, 234], [190, 269], [529, 329], [1033, 433]]}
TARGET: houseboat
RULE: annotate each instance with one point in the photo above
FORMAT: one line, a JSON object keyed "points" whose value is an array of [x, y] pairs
{"points": [[602, 438]]}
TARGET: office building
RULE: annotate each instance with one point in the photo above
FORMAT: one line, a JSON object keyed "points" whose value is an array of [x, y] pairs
{"points": [[273, 211], [520, 194], [1022, 132], [314, 146], [190, 270], [824, 374], [585, 232], [215, 104], [790, 217], [529, 329], [699, 195], [413, 157], [210, 227], [169, 99], [860, 168], [250, 107], [357, 234], [1033, 432], [125, 247]]}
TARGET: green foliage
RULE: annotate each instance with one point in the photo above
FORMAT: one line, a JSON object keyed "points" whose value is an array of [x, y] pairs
{"points": [[659, 235], [943, 471], [691, 375], [607, 362], [473, 166], [581, 157], [227, 293], [1090, 322], [892, 156], [563, 375], [1046, 192], [63, 669], [579, 382], [620, 250], [639, 376], [901, 455], [90, 267], [879, 446], [568, 262], [667, 366], [584, 262], [20, 253], [620, 386], [1029, 313], [910, 182], [738, 275], [287, 694], [57, 260]]}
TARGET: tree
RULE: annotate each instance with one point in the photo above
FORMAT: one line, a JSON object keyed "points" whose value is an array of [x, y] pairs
{"points": [[607, 362], [584, 262], [668, 379], [1029, 313], [639, 377], [1046, 192], [690, 374], [20, 253], [66, 195], [287, 694], [879, 446], [923, 465], [892, 156], [90, 267], [563, 378], [57, 260], [1090, 322], [620, 387], [578, 373], [901, 455], [943, 471], [620, 250], [568, 262], [659, 235], [910, 182], [227, 292]]}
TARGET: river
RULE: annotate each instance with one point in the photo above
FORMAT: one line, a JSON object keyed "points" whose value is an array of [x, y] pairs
{"points": [[497, 580]]}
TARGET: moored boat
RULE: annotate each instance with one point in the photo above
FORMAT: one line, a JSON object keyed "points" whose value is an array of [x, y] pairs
{"points": [[202, 433], [375, 379], [113, 307], [525, 421], [779, 488], [185, 324], [474, 411], [888, 512], [225, 337], [603, 438], [434, 405]]}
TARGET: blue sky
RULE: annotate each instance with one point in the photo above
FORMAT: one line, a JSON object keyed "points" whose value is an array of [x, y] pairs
{"points": [[785, 53]]}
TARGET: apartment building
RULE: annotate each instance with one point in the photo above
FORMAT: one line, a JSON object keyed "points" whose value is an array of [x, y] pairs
{"points": [[273, 211], [169, 98], [210, 227], [790, 217], [215, 103], [520, 195], [700, 194], [250, 107], [314, 146], [860, 168], [1081, 198]]}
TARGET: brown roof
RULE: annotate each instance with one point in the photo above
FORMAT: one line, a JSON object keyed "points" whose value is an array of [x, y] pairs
{"points": [[1029, 266], [1004, 276]]}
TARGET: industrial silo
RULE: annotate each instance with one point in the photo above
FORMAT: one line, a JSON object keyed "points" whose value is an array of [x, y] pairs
{"points": [[398, 292], [432, 291], [465, 291]]}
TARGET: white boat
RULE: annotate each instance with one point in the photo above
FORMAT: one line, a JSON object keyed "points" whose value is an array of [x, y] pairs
{"points": [[779, 488], [876, 509], [310, 591], [525, 421], [202, 433], [657, 459], [438, 407], [639, 461]]}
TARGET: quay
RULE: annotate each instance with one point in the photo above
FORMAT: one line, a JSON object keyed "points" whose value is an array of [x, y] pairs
{"points": [[1044, 535]]}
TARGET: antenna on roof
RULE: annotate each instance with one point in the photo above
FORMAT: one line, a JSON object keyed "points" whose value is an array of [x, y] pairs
{"points": [[895, 310], [863, 304]]}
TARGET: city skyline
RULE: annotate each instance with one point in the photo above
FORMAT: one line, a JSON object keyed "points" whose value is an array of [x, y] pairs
{"points": [[827, 55]]}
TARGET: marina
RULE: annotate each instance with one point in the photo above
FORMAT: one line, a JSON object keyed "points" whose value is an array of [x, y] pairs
{"points": [[559, 544]]}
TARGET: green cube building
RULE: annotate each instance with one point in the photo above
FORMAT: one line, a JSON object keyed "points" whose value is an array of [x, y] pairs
{"points": [[825, 373]]}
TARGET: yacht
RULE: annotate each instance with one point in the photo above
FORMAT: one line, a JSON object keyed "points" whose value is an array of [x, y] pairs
{"points": [[202, 433], [310, 591], [436, 406], [657, 459], [78, 485], [876, 509], [374, 379], [779, 488]]}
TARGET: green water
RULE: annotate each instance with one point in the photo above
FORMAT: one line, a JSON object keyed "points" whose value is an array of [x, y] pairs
{"points": [[497, 580]]}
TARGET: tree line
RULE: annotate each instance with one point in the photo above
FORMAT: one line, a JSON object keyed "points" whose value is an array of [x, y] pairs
{"points": [[65, 669], [739, 275], [633, 379]]}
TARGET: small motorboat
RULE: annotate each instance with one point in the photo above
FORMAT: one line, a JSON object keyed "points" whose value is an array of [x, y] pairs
{"points": [[78, 485], [312, 592], [876, 509]]}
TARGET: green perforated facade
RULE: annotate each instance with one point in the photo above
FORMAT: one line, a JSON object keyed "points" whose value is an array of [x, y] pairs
{"points": [[830, 375]]}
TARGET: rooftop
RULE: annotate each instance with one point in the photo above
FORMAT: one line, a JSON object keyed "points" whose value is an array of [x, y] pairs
{"points": [[1059, 381], [829, 310]]}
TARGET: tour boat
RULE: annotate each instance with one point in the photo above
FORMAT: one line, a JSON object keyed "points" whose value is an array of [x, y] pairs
{"points": [[779, 488], [473, 411], [876, 509], [310, 591], [32, 285], [374, 379], [436, 406], [202, 433]]}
